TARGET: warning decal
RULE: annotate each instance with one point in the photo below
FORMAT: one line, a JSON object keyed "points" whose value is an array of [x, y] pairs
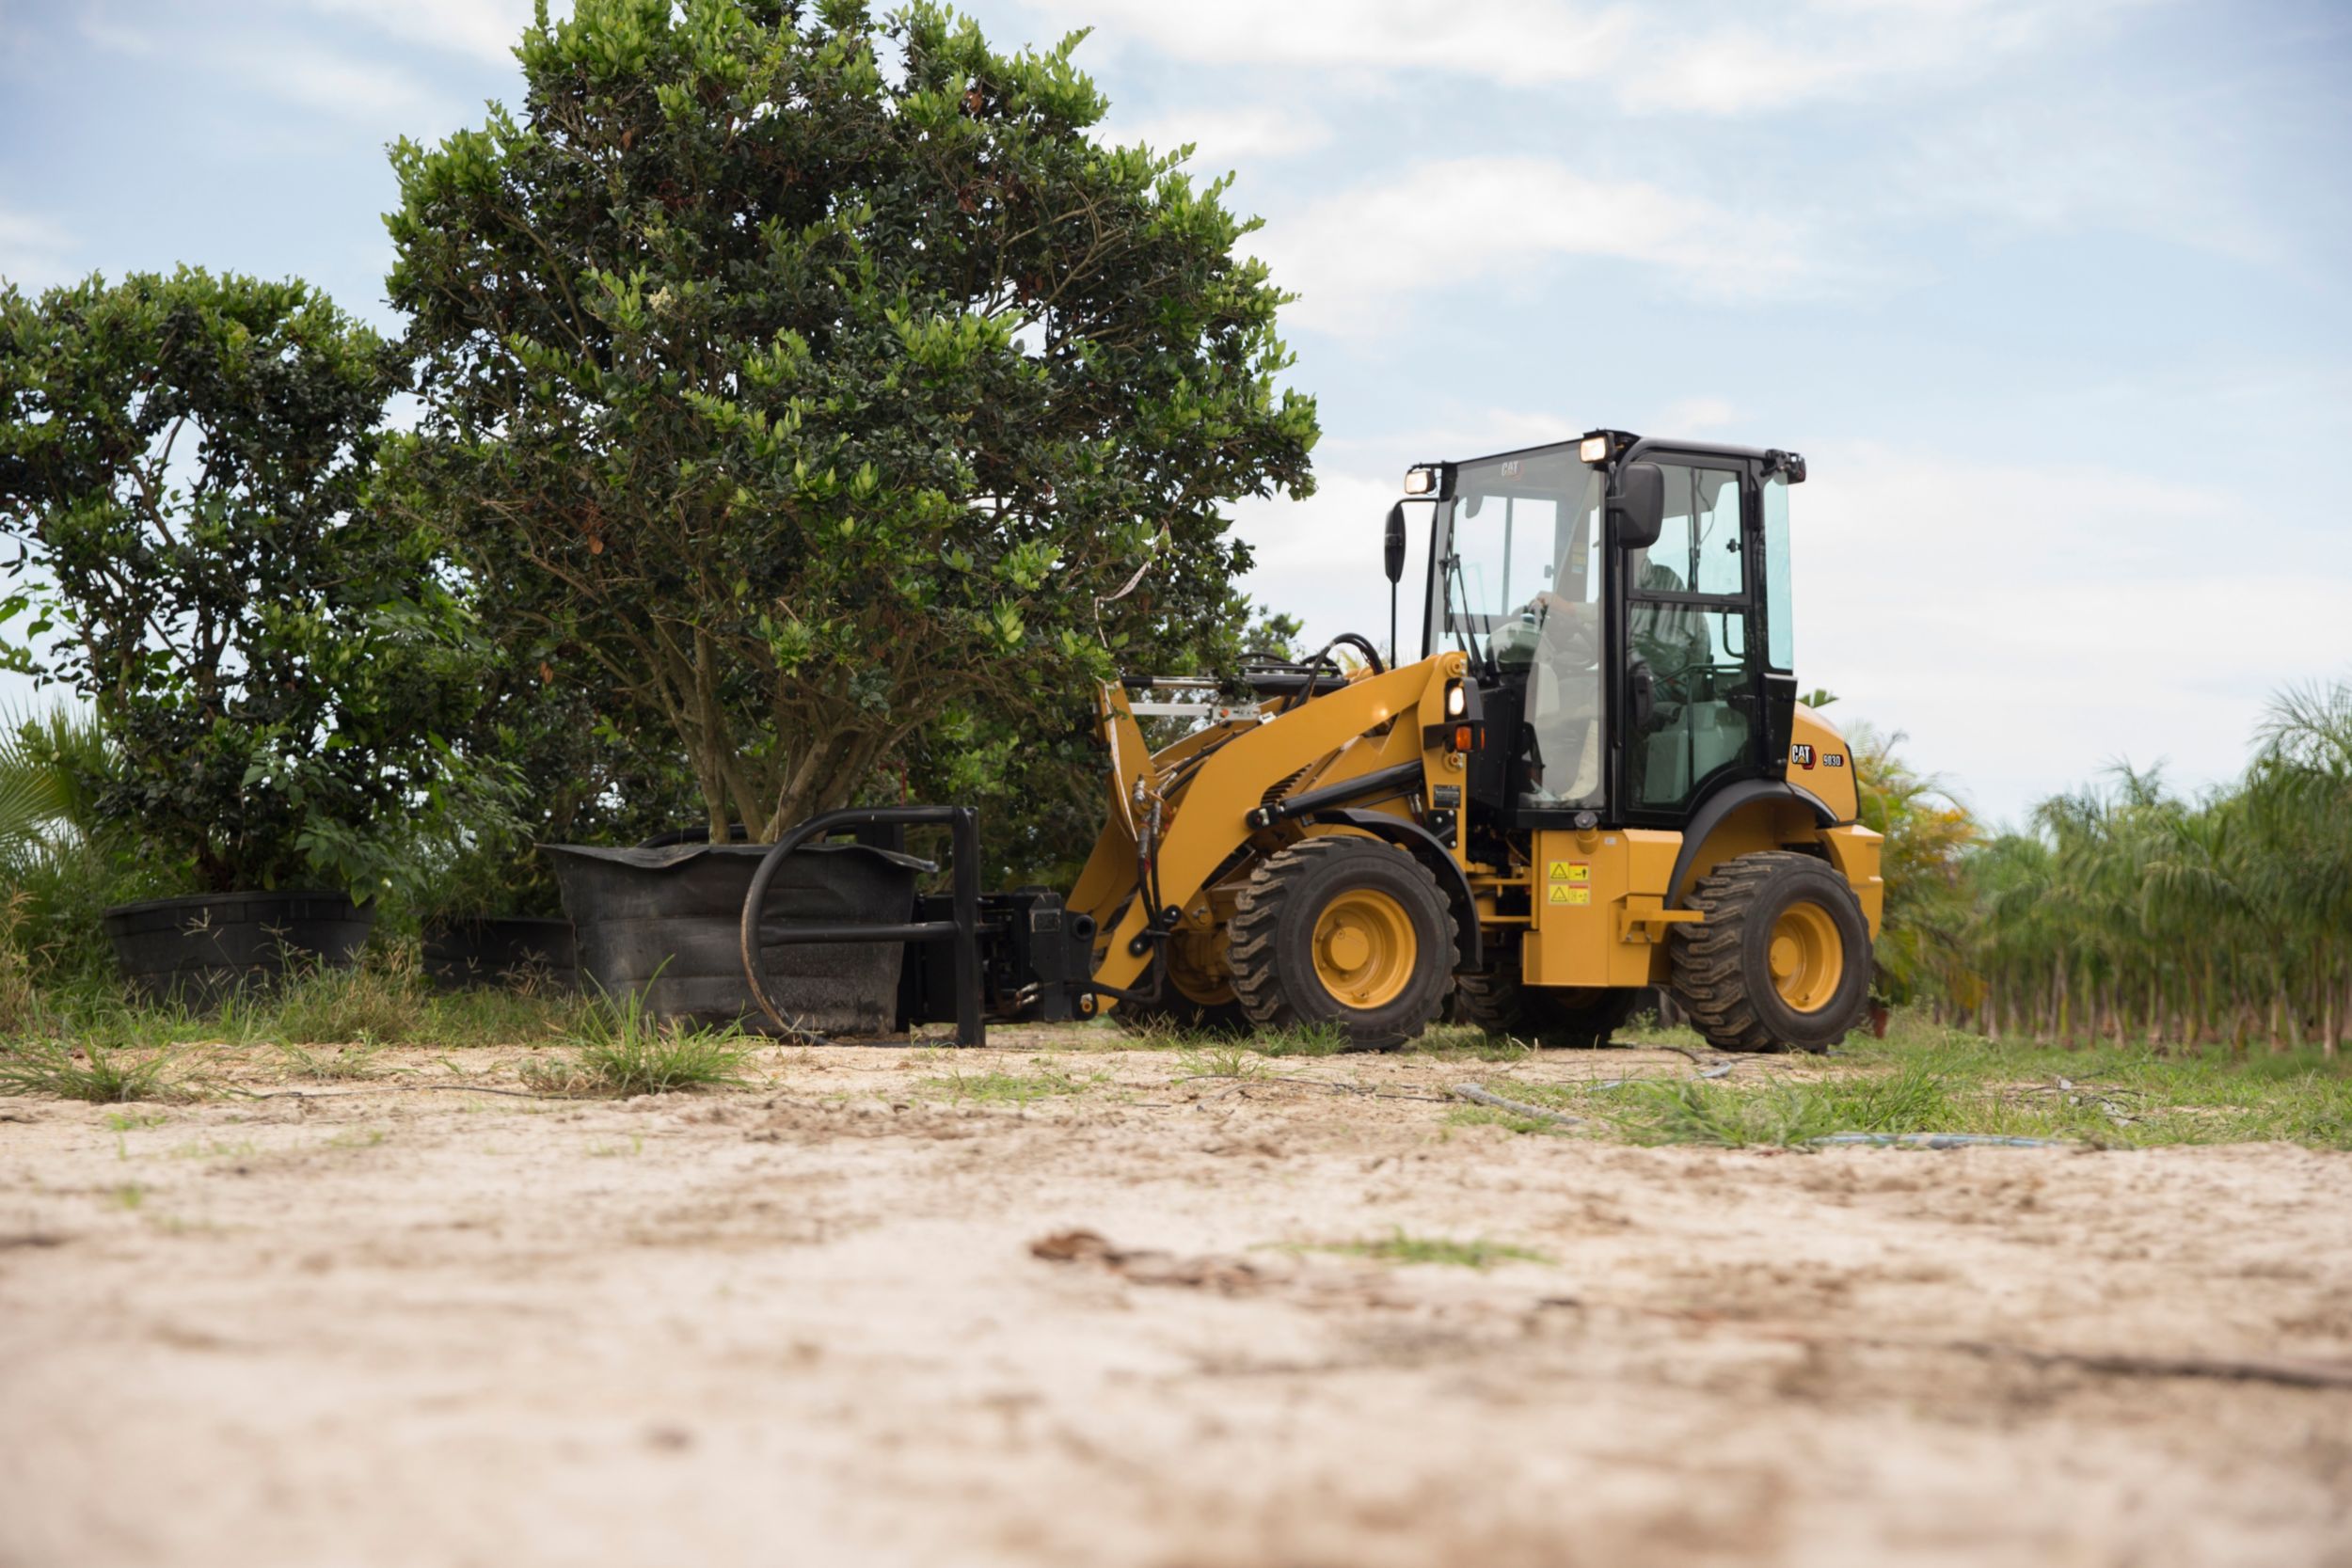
{"points": [[1562, 893], [1569, 871]]}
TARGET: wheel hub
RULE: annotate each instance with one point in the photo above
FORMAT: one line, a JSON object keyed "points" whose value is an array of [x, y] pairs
{"points": [[1807, 959], [1365, 948]]}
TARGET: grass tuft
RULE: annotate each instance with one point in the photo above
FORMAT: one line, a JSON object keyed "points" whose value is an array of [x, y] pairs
{"points": [[1913, 1097], [336, 1006], [349, 1064], [622, 1049], [1488, 1115], [1007, 1089], [98, 1074], [1400, 1247], [1924, 1078], [1312, 1039], [1224, 1061], [20, 1004]]}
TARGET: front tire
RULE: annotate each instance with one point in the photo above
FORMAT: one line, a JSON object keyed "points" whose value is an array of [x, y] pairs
{"points": [[1346, 932], [1782, 959]]}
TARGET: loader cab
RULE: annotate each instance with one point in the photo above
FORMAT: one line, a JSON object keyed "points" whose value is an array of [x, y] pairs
{"points": [[1625, 606]]}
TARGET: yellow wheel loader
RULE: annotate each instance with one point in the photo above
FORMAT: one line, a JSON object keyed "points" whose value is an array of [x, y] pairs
{"points": [[1596, 779]]}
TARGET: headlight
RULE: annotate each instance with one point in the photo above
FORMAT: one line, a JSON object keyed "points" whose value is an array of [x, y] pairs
{"points": [[1595, 448], [1419, 481], [1456, 700]]}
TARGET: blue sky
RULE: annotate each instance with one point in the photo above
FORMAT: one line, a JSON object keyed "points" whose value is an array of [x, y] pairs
{"points": [[2056, 295]]}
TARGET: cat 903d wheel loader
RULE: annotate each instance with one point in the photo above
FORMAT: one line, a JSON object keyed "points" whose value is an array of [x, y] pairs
{"points": [[1596, 779]]}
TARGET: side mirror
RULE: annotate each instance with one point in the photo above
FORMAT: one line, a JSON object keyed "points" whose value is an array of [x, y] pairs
{"points": [[1392, 546], [1637, 506]]}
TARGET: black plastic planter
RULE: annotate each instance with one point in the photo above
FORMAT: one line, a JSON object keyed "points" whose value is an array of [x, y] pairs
{"points": [[501, 950], [199, 949], [667, 924]]}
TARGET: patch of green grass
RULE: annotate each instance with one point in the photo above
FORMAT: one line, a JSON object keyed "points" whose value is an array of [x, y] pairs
{"points": [[101, 1074], [1912, 1096], [134, 1121], [1124, 1032], [129, 1196], [1486, 1116], [1400, 1247], [484, 1016], [1926, 1079], [1224, 1061], [209, 1148], [338, 1006], [1459, 1042], [384, 1002], [622, 1049], [370, 1137], [1313, 1040], [20, 1001], [346, 1065], [1007, 1089]]}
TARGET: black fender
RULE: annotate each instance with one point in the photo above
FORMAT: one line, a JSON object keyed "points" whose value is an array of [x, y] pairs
{"points": [[1720, 805], [1424, 847]]}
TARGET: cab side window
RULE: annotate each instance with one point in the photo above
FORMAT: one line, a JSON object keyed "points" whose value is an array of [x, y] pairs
{"points": [[1694, 655], [1699, 547]]}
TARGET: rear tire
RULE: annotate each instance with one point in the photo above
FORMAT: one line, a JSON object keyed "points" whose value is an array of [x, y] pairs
{"points": [[1196, 994], [1783, 959], [1343, 931], [1497, 1000]]}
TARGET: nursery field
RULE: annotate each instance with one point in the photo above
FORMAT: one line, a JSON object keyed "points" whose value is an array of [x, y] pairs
{"points": [[1074, 1299]]}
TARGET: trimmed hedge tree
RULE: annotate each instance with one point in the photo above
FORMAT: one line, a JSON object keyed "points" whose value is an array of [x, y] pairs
{"points": [[818, 401], [182, 467]]}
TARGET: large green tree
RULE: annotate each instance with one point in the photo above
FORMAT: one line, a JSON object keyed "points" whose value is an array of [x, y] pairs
{"points": [[823, 379], [183, 465]]}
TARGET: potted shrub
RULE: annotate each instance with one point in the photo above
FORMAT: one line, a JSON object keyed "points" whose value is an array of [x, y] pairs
{"points": [[818, 401], [182, 469]]}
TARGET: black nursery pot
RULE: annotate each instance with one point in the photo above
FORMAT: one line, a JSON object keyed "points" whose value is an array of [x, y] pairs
{"points": [[203, 947], [667, 922], [500, 950]]}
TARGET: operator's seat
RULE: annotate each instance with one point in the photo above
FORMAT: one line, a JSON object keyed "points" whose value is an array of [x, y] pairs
{"points": [[1564, 703]]}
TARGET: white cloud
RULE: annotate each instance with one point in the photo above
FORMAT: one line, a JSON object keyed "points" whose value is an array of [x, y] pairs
{"points": [[487, 29], [35, 250], [1319, 559], [1469, 222], [1521, 42], [373, 92], [2103, 157], [1707, 58], [115, 38], [1234, 134], [2028, 624], [1696, 416]]}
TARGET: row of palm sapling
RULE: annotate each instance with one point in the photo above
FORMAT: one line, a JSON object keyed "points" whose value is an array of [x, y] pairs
{"points": [[781, 402]]}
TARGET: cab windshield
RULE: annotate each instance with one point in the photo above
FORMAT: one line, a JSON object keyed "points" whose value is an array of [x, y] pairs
{"points": [[1520, 589]]}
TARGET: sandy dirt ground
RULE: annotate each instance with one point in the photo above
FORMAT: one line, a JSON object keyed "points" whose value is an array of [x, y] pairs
{"points": [[847, 1317]]}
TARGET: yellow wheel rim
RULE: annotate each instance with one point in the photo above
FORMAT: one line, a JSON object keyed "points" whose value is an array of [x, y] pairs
{"points": [[1365, 948], [1807, 957], [1196, 967]]}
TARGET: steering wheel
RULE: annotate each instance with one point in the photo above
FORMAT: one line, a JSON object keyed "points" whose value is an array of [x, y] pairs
{"points": [[1578, 648]]}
